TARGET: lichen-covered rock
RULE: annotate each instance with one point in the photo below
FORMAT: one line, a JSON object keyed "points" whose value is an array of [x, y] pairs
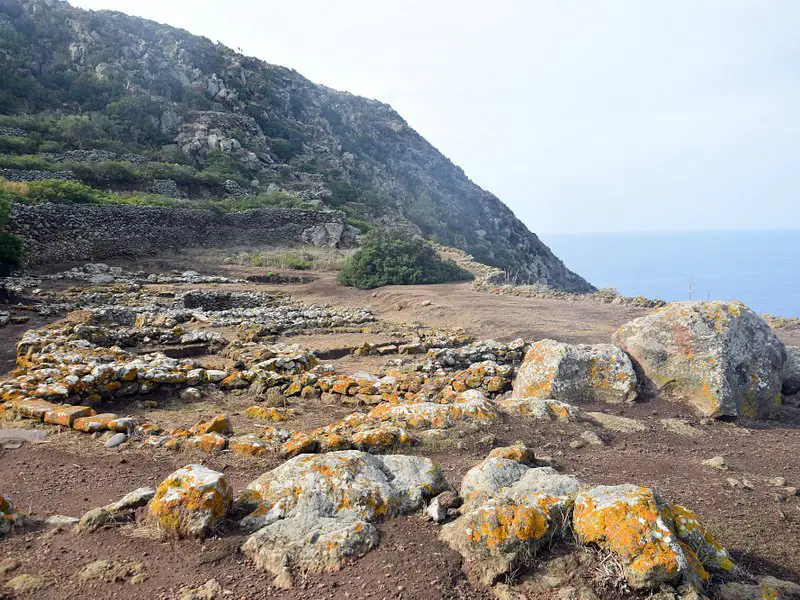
{"points": [[519, 452], [791, 371], [315, 511], [636, 524], [719, 357], [765, 588], [575, 373], [470, 406], [694, 534], [191, 502], [7, 516], [509, 511], [544, 409]]}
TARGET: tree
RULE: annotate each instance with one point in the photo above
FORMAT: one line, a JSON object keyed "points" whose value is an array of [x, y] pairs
{"points": [[395, 258]]}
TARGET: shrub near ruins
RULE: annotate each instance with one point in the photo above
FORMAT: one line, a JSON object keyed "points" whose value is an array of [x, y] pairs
{"points": [[10, 245], [398, 258]]}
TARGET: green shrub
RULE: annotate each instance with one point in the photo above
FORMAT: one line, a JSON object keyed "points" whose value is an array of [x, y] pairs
{"points": [[61, 192], [10, 245], [398, 258]]}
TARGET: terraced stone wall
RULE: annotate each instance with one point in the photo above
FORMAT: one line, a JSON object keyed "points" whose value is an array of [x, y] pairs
{"points": [[57, 233]]}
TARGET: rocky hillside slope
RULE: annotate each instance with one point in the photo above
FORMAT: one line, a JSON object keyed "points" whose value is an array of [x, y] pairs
{"points": [[125, 103]]}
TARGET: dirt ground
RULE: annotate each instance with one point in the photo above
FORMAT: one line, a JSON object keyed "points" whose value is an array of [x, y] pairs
{"points": [[71, 472]]}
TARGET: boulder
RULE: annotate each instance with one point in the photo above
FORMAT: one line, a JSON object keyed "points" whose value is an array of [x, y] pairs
{"points": [[576, 373], [719, 357], [510, 510], [657, 543], [191, 502], [315, 511], [791, 371]]}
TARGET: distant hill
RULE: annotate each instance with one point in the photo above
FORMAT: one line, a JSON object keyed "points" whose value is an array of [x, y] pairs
{"points": [[127, 104]]}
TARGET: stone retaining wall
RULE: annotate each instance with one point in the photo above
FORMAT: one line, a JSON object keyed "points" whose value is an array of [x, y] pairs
{"points": [[57, 233]]}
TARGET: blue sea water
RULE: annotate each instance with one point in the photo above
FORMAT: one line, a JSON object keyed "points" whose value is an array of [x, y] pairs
{"points": [[760, 268]]}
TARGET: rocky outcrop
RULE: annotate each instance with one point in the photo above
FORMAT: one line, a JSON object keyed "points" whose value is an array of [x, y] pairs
{"points": [[314, 511], [56, 233], [551, 369], [719, 357]]}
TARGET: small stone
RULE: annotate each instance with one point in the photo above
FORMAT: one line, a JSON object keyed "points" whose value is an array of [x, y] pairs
{"points": [[748, 484], [191, 394], [26, 584], [777, 482], [93, 520], [116, 440], [9, 565], [577, 444], [734, 483], [716, 462], [61, 521], [591, 438]]}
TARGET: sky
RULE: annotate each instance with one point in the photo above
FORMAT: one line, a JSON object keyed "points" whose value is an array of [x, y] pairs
{"points": [[581, 116]]}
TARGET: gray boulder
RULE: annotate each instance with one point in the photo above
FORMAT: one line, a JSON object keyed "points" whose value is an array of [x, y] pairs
{"points": [[791, 371], [719, 357], [316, 510], [576, 373]]}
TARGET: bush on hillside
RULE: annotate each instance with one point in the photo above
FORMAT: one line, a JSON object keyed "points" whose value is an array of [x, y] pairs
{"points": [[10, 245], [397, 258], [61, 192]]}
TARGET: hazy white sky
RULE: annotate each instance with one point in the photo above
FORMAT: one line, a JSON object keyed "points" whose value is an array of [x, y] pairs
{"points": [[581, 116]]}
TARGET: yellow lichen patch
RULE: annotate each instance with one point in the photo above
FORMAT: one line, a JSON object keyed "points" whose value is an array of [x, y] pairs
{"points": [[268, 413], [94, 423], [497, 525], [219, 424], [519, 452], [248, 445], [207, 442]]}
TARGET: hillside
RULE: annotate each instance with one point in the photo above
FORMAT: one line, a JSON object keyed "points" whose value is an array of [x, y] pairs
{"points": [[129, 105]]}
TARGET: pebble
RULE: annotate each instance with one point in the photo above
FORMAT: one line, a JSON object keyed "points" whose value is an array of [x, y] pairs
{"points": [[116, 440]]}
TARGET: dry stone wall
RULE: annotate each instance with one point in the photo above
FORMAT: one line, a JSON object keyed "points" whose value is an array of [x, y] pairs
{"points": [[56, 233]]}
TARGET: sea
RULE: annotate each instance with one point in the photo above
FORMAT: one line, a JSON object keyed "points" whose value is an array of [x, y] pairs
{"points": [[759, 268]]}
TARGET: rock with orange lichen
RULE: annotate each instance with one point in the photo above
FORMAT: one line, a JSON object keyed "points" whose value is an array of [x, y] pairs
{"points": [[191, 502], [693, 533], [510, 510], [575, 373], [219, 424], [469, 407], [268, 413], [248, 445], [315, 511], [545, 409], [721, 358], [635, 524], [519, 452], [7, 516], [94, 423], [207, 442]]}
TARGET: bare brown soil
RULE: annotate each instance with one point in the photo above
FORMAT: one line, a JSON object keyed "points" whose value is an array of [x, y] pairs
{"points": [[71, 472]]}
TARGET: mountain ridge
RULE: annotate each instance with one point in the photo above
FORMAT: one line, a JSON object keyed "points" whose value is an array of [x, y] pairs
{"points": [[146, 89]]}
